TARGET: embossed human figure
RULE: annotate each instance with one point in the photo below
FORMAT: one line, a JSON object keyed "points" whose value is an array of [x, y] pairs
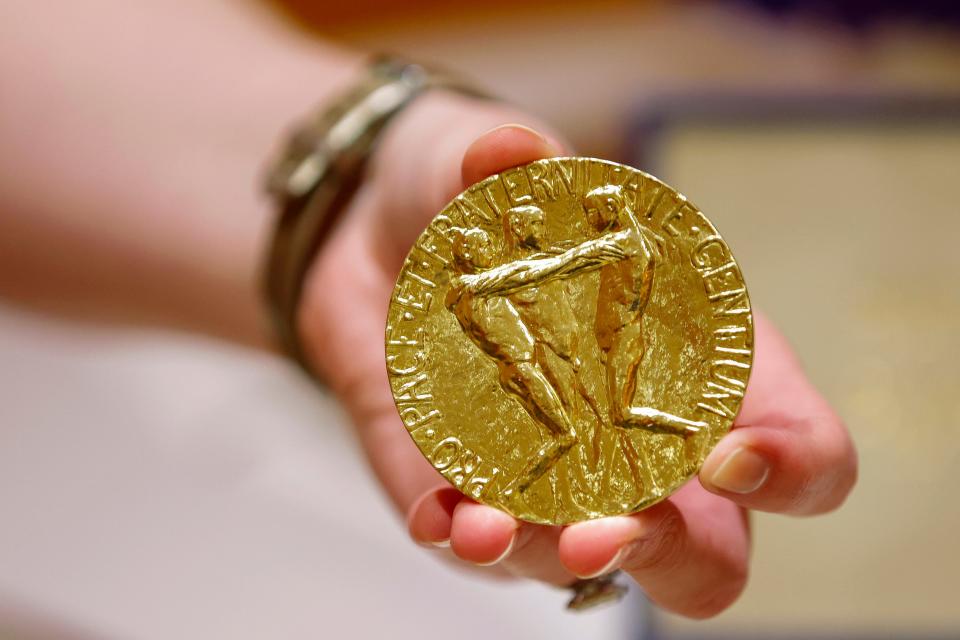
{"points": [[478, 296], [548, 312], [545, 308], [623, 295]]}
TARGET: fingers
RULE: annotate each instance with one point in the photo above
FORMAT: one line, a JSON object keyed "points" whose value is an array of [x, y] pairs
{"points": [[789, 453], [689, 554], [482, 535], [486, 537], [431, 516], [476, 533], [438, 146]]}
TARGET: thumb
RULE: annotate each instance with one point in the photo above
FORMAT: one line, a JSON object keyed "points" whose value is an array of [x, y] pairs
{"points": [[436, 148]]}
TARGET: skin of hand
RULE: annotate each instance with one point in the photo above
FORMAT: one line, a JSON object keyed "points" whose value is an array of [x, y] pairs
{"points": [[133, 199], [788, 452]]}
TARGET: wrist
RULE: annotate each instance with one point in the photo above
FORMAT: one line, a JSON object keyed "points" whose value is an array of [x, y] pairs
{"points": [[229, 218], [131, 169]]}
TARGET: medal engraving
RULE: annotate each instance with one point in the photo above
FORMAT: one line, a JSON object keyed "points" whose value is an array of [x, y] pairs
{"points": [[568, 339]]}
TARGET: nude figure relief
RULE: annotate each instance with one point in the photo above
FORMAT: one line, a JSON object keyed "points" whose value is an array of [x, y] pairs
{"points": [[515, 308]]}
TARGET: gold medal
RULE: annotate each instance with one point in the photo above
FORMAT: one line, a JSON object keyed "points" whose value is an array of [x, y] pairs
{"points": [[568, 340]]}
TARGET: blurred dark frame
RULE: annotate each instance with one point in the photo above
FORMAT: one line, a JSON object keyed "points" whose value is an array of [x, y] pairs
{"points": [[649, 132], [863, 13], [655, 120]]}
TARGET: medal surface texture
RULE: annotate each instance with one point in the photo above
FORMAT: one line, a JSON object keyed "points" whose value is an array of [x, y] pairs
{"points": [[568, 340]]}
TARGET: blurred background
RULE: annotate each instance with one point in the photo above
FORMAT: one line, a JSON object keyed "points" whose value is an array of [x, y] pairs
{"points": [[161, 486]]}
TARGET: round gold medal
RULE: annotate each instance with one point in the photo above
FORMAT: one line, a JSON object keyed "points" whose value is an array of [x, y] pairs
{"points": [[568, 340]]}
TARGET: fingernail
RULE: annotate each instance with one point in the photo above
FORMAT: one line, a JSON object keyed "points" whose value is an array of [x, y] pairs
{"points": [[503, 556], [522, 128], [443, 544], [744, 471], [613, 565]]}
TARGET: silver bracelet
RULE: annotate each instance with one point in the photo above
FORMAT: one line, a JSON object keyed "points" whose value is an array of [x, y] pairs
{"points": [[319, 171]]}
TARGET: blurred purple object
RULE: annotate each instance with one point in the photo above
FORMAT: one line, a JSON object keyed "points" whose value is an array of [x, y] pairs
{"points": [[859, 13]]}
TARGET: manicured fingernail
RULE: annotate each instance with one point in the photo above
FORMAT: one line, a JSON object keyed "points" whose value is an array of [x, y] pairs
{"points": [[613, 565], [744, 471], [503, 556], [443, 544]]}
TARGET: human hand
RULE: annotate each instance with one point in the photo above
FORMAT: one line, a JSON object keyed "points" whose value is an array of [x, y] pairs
{"points": [[788, 452], [655, 244]]}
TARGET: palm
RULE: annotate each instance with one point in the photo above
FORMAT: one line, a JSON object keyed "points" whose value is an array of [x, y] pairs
{"points": [[350, 335]]}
